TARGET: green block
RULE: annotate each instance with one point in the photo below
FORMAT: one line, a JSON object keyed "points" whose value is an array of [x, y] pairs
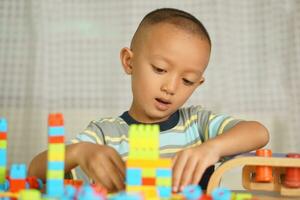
{"points": [[163, 181], [30, 194], [2, 174], [55, 174], [3, 144]]}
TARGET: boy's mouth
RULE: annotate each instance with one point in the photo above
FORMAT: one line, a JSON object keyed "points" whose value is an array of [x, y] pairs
{"points": [[164, 101]]}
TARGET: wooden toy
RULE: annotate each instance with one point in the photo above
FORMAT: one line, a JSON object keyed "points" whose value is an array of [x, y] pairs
{"points": [[284, 170]]}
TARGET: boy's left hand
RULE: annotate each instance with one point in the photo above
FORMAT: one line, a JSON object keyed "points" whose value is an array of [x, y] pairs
{"points": [[190, 164]]}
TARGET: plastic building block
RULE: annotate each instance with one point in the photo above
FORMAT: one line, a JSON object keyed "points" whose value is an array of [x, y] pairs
{"points": [[55, 119], [3, 125], [15, 185], [55, 187], [264, 173], [30, 195], [134, 176], [18, 171], [221, 194], [292, 174], [192, 192]]}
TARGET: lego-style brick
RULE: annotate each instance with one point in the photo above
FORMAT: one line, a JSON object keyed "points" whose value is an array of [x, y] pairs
{"points": [[55, 119], [15, 185], [56, 156], [163, 172], [18, 171], [3, 157], [55, 174], [164, 192], [148, 191], [148, 172], [2, 174], [56, 139], [3, 136], [55, 187], [164, 181], [3, 125], [159, 163], [59, 165], [31, 194], [148, 181], [56, 130], [133, 176], [56, 148], [3, 144]]}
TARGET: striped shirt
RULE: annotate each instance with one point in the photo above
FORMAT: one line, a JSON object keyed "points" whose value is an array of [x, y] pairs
{"points": [[185, 128]]}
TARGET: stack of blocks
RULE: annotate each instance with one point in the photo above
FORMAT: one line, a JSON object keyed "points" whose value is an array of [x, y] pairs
{"points": [[3, 147], [146, 172], [56, 155], [17, 177]]}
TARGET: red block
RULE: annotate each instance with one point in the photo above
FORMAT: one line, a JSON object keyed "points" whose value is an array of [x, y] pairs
{"points": [[292, 174], [15, 185], [56, 139], [55, 119], [148, 181], [3, 136]]}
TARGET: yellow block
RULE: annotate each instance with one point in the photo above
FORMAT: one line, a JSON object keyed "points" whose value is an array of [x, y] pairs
{"points": [[159, 163], [56, 147], [55, 174], [148, 172], [163, 181], [3, 144], [56, 156], [148, 191]]}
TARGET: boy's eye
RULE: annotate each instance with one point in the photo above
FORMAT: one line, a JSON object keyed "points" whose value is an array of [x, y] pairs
{"points": [[158, 70], [187, 82]]}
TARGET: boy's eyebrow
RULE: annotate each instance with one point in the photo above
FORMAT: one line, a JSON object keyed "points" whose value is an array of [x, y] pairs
{"points": [[170, 62]]}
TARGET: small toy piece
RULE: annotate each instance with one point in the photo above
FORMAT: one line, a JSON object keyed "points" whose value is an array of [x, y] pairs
{"points": [[292, 174], [264, 173], [221, 194], [192, 192], [31, 194]]}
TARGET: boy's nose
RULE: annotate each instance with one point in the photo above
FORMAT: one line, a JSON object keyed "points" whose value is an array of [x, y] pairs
{"points": [[170, 86]]}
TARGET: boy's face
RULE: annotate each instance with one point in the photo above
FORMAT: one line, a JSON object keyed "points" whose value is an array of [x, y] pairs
{"points": [[166, 66]]}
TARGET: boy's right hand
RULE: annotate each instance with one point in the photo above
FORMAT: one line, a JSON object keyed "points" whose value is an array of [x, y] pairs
{"points": [[103, 165]]}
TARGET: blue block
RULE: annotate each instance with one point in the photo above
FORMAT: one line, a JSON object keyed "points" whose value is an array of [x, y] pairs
{"points": [[192, 192], [56, 131], [55, 187], [3, 125], [163, 173], [18, 171], [52, 165], [3, 157], [221, 194], [165, 192], [134, 176]]}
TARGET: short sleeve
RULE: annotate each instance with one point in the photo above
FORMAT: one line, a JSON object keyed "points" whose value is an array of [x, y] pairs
{"points": [[211, 125], [93, 133]]}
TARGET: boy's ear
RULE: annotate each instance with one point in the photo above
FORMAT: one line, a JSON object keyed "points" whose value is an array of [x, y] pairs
{"points": [[126, 59]]}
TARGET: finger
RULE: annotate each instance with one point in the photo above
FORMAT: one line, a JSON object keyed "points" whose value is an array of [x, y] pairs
{"points": [[174, 160], [113, 173], [200, 168], [187, 173], [119, 163], [177, 171]]}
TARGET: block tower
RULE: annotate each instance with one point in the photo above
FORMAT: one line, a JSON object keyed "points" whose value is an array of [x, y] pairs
{"points": [[3, 152], [146, 172], [56, 155]]}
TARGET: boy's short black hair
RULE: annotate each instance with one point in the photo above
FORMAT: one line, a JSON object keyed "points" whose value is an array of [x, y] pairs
{"points": [[179, 18]]}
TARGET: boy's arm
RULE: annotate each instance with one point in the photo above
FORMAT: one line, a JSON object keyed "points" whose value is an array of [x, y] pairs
{"points": [[38, 165], [190, 164]]}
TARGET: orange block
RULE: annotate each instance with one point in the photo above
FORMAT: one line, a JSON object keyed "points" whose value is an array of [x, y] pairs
{"points": [[56, 139], [3, 136], [148, 181], [263, 173], [15, 185], [55, 119]]}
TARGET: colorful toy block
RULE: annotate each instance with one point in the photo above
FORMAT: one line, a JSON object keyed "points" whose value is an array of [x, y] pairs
{"points": [[3, 152]]}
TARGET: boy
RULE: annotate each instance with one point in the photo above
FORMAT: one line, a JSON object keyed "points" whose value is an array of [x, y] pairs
{"points": [[167, 58]]}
